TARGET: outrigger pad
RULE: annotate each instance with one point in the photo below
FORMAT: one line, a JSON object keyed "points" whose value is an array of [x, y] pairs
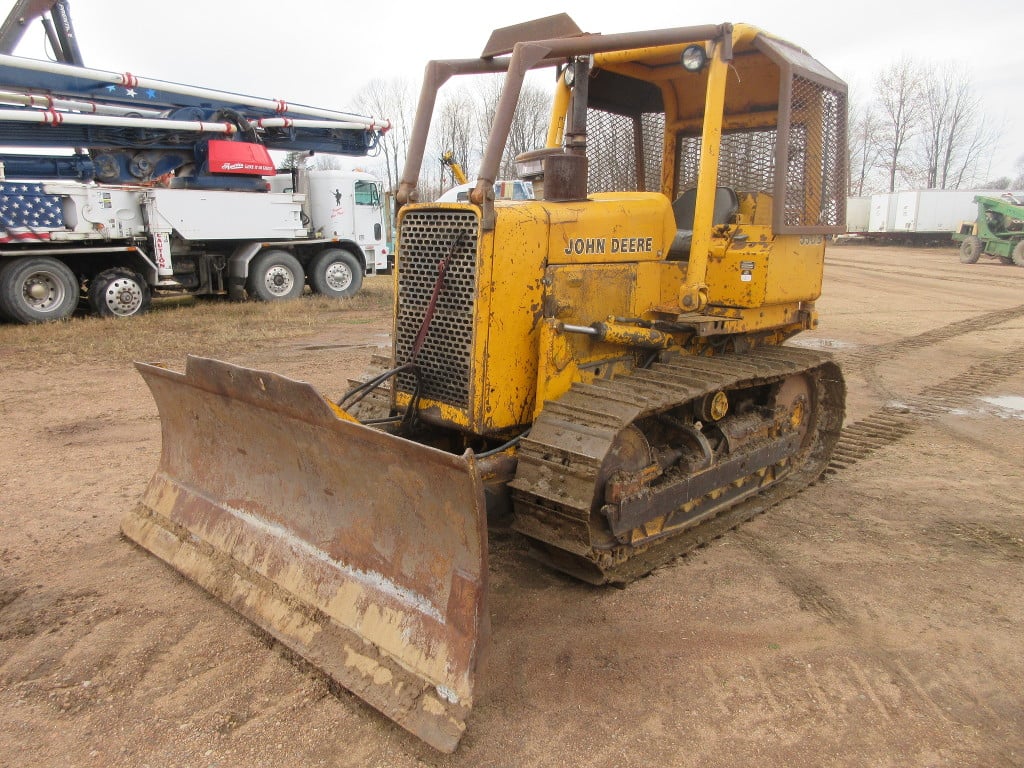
{"points": [[364, 553]]}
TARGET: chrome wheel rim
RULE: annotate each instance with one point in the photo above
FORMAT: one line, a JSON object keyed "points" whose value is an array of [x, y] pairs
{"points": [[338, 276], [279, 280], [43, 291], [123, 297]]}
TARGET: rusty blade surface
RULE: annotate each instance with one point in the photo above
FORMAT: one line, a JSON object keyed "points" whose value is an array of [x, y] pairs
{"points": [[364, 553]]}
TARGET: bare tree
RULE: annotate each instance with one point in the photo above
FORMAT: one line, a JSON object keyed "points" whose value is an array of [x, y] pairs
{"points": [[294, 159], [329, 162], [898, 90], [955, 139], [391, 100], [865, 146], [453, 128], [488, 93], [529, 123], [529, 126]]}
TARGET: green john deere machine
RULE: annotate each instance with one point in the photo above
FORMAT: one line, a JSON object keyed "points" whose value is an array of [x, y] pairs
{"points": [[997, 232]]}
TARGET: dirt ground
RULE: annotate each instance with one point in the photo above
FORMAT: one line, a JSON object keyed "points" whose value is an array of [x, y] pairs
{"points": [[875, 619]]}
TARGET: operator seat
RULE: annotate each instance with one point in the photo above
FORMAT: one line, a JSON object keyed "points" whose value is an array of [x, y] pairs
{"points": [[684, 208]]}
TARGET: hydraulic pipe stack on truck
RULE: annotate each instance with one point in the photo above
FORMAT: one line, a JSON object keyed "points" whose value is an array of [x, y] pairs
{"points": [[605, 364]]}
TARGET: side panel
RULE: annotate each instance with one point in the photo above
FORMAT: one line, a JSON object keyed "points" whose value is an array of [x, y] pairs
{"points": [[795, 270], [858, 213], [218, 215], [611, 227], [766, 270], [942, 210], [91, 212], [509, 316], [883, 212]]}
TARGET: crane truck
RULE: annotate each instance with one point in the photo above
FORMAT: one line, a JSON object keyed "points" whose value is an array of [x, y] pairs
{"points": [[606, 364], [162, 188]]}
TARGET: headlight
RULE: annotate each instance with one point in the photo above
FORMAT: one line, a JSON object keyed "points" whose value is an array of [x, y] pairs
{"points": [[694, 58]]}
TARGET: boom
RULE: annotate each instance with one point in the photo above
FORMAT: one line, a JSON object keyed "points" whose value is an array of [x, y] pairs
{"points": [[132, 129]]}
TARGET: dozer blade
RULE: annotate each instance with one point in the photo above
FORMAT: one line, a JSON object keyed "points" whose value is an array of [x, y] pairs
{"points": [[364, 553]]}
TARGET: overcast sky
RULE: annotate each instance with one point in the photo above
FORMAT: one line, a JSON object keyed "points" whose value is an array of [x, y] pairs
{"points": [[321, 53]]}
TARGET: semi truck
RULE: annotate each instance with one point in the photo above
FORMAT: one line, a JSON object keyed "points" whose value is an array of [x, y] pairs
{"points": [[113, 247]]}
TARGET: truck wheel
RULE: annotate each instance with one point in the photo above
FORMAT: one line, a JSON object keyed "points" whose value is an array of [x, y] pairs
{"points": [[37, 290], [274, 275], [970, 249], [336, 273], [119, 292], [1018, 253]]}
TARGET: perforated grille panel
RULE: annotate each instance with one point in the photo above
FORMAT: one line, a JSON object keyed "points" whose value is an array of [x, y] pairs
{"points": [[612, 151], [425, 239], [816, 172]]}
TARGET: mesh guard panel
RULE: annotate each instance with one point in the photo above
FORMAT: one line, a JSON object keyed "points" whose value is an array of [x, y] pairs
{"points": [[612, 146], [815, 180], [746, 161]]}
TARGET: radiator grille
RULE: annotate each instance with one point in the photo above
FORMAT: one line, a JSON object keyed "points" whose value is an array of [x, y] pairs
{"points": [[425, 239]]}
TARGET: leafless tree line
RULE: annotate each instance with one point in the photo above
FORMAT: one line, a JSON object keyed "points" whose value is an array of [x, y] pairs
{"points": [[462, 121], [925, 126]]}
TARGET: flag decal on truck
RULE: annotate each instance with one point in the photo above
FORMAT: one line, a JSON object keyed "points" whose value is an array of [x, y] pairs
{"points": [[28, 213]]}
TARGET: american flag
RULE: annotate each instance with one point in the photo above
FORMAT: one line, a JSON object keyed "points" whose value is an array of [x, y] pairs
{"points": [[28, 213]]}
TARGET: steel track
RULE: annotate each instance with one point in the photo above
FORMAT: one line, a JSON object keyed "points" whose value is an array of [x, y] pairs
{"points": [[558, 476]]}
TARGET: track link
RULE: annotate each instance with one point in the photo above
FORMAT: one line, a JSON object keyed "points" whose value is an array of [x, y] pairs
{"points": [[559, 485]]}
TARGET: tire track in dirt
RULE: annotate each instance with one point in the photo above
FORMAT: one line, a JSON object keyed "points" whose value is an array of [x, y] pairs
{"points": [[753, 693], [168, 668], [864, 671], [879, 353], [895, 421], [982, 538], [942, 697], [927, 274]]}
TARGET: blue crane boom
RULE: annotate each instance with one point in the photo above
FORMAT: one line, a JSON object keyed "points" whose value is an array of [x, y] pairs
{"points": [[130, 129]]}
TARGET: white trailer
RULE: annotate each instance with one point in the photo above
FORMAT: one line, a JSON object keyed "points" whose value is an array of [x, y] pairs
{"points": [[858, 214], [116, 246], [883, 211], [929, 211], [915, 215]]}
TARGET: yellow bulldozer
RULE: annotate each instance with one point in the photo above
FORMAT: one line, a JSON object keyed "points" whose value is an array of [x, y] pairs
{"points": [[605, 364]]}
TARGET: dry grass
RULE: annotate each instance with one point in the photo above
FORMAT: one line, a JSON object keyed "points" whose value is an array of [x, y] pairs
{"points": [[175, 328]]}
